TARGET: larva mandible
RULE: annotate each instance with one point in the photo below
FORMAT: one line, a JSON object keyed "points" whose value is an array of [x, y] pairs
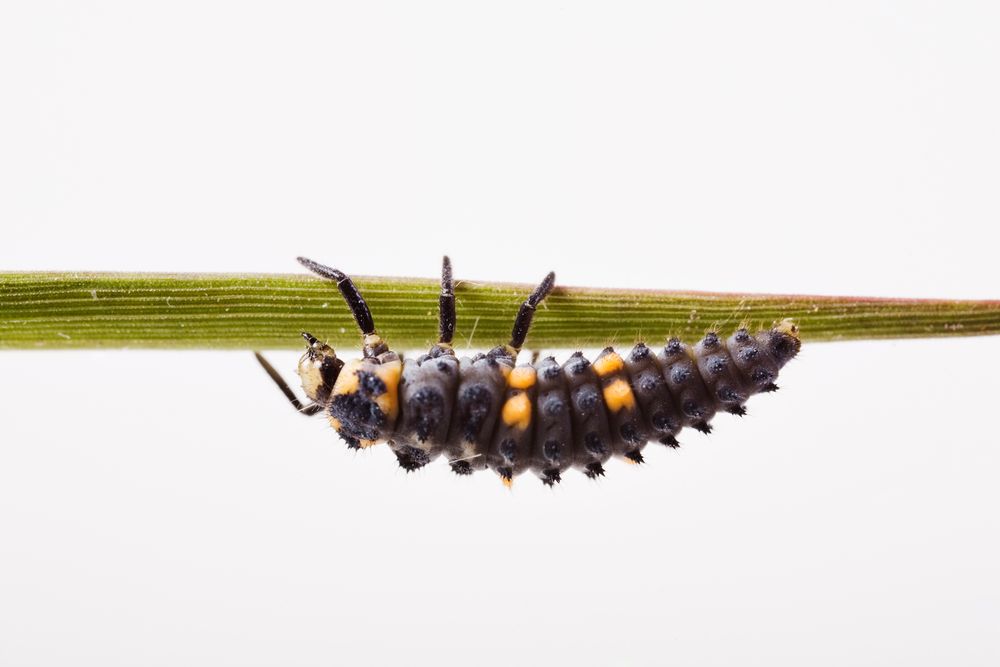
{"points": [[487, 412]]}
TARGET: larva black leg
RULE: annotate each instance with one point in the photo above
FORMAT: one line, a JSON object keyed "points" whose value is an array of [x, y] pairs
{"points": [[373, 343], [348, 289], [524, 316], [307, 410], [446, 307]]}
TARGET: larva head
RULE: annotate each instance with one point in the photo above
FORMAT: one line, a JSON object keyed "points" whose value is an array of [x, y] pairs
{"points": [[783, 341], [318, 368]]}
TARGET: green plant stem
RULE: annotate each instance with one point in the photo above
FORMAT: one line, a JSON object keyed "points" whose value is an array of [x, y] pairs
{"points": [[107, 310]]}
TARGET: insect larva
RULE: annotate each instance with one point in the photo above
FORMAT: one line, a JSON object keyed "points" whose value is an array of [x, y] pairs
{"points": [[487, 412]]}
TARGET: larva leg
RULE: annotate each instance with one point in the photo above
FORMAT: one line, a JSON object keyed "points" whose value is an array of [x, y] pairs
{"points": [[527, 311], [307, 410], [373, 344], [446, 316]]}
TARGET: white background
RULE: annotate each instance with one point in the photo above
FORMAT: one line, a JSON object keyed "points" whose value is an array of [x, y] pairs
{"points": [[168, 508]]}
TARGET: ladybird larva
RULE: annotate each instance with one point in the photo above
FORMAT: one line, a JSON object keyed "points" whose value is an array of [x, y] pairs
{"points": [[488, 412]]}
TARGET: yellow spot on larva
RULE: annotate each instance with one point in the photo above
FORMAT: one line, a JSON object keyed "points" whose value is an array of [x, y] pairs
{"points": [[507, 481], [517, 411], [312, 379], [629, 461], [608, 364], [366, 443], [618, 395], [347, 381], [389, 373], [521, 377], [335, 423]]}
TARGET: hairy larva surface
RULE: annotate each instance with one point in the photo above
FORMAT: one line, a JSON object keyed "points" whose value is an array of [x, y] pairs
{"points": [[485, 411]]}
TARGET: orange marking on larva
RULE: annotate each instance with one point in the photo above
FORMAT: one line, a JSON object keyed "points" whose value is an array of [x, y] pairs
{"points": [[366, 443], [618, 395], [347, 381], [517, 411], [389, 373], [608, 364], [522, 377], [507, 481], [335, 423], [629, 461]]}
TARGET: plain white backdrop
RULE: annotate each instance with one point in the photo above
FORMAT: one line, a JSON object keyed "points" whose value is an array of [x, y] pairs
{"points": [[168, 508]]}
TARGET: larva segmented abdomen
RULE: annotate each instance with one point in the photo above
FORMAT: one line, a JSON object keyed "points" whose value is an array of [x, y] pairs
{"points": [[484, 412]]}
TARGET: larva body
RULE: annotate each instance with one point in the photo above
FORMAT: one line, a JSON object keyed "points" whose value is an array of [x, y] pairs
{"points": [[487, 412]]}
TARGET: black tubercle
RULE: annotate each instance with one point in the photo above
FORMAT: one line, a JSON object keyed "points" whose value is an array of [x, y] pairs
{"points": [[461, 467], [594, 470], [639, 352], [662, 422], [411, 458], [592, 441], [508, 450], [670, 441], [587, 400], [630, 434], [550, 476], [550, 371], [426, 409], [359, 414], [635, 456], [552, 450], [479, 399], [553, 406]]}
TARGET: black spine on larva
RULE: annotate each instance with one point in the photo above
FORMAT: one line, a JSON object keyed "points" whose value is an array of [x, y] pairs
{"points": [[684, 382], [663, 420], [625, 419], [359, 414], [510, 453], [591, 438], [720, 374], [752, 358], [426, 400], [553, 451], [478, 398]]}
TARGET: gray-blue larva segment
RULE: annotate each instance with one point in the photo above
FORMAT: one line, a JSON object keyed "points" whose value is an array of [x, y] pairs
{"points": [[485, 412]]}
